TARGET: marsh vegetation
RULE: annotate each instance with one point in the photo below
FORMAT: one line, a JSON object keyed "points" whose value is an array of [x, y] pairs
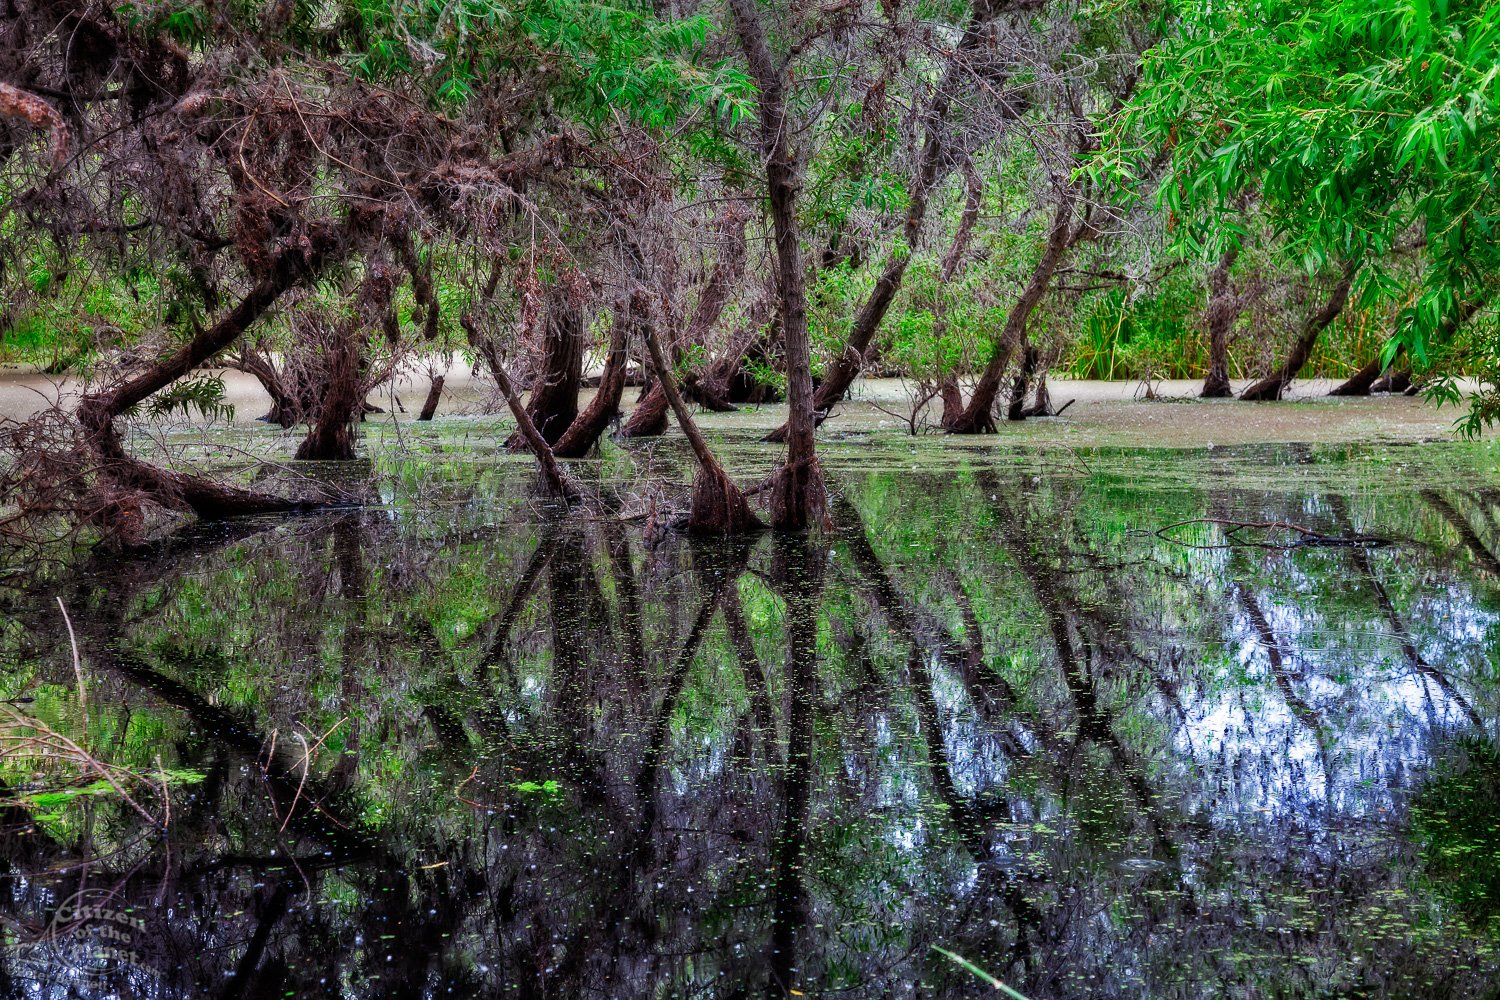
{"points": [[594, 498]]}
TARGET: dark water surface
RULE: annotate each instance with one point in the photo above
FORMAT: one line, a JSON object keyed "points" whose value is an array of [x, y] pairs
{"points": [[441, 747]]}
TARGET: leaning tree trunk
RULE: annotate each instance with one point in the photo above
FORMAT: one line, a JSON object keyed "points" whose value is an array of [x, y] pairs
{"points": [[1397, 380], [1366, 380], [331, 437], [977, 417], [1224, 306], [932, 162], [728, 381], [719, 508], [97, 411], [605, 406], [553, 405], [434, 394], [1271, 388], [649, 418], [556, 477], [798, 496], [1360, 382], [285, 409]]}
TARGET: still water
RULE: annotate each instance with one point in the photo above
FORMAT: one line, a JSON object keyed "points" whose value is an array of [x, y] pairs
{"points": [[1103, 724]]}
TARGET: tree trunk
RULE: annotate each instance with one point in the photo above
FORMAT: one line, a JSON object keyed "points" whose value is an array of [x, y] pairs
{"points": [[1041, 404], [434, 393], [948, 391], [97, 411], [649, 417], [1395, 380], [798, 497], [719, 508], [1017, 410], [1360, 382], [553, 405], [953, 400], [331, 437], [1271, 388], [977, 418], [1224, 307], [728, 380], [932, 163], [586, 430], [556, 477], [285, 409]]}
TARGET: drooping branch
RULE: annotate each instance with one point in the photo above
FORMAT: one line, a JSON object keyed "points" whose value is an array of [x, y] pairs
{"points": [[16, 103]]}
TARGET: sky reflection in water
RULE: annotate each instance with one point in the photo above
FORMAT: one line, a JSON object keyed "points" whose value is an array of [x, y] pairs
{"points": [[995, 712]]}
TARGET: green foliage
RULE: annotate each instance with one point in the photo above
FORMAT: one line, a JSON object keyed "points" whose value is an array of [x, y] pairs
{"points": [[1122, 338], [204, 393], [596, 59], [1358, 123]]}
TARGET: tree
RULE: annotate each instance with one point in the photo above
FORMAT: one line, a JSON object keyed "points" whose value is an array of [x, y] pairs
{"points": [[798, 496], [1358, 122]]}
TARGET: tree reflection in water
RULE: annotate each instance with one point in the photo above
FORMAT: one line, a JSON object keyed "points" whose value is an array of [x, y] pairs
{"points": [[990, 712]]}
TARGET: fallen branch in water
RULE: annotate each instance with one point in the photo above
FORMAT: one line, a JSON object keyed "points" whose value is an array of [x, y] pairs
{"points": [[1307, 536], [28, 737]]}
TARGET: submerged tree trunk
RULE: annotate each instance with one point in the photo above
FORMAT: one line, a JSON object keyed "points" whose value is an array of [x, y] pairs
{"points": [[1271, 388], [589, 426], [1018, 409], [434, 393], [331, 437], [285, 408], [977, 417], [1041, 404], [1224, 306], [729, 380], [953, 400], [798, 497], [1360, 382], [1395, 380], [556, 477], [649, 416], [553, 404], [948, 390], [719, 508], [97, 411]]}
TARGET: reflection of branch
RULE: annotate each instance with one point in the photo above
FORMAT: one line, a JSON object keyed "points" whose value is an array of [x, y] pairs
{"points": [[1398, 627], [470, 802], [1465, 530], [306, 762]]}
